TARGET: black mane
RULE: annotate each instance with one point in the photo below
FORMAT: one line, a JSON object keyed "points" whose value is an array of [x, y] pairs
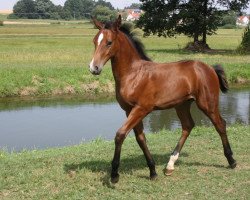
{"points": [[127, 29]]}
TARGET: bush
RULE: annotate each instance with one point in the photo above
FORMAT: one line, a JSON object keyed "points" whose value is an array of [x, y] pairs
{"points": [[245, 43], [228, 26], [1, 23]]}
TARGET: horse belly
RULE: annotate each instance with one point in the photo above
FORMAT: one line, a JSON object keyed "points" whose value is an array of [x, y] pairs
{"points": [[174, 93]]}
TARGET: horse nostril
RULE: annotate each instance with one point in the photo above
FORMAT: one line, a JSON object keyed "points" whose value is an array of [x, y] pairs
{"points": [[96, 67]]}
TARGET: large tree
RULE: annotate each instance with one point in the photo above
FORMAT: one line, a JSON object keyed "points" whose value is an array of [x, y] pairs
{"points": [[44, 9], [194, 18], [104, 4], [79, 9], [24, 9], [103, 13]]}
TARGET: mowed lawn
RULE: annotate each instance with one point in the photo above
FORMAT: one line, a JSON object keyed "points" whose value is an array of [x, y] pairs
{"points": [[83, 171], [51, 58]]}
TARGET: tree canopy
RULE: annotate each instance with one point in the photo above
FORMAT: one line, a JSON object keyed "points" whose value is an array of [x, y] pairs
{"points": [[72, 9], [194, 18]]}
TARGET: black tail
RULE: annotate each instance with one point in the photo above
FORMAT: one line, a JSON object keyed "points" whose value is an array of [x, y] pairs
{"points": [[222, 78]]}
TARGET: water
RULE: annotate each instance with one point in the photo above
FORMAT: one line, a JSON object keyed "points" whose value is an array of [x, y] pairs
{"points": [[43, 123]]}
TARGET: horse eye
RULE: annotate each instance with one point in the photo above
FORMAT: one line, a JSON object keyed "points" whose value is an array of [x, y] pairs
{"points": [[109, 43]]}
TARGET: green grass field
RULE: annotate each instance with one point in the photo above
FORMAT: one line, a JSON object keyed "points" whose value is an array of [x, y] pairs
{"points": [[51, 58], [82, 172]]}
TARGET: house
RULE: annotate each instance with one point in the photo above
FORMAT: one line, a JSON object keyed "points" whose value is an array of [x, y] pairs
{"points": [[133, 14], [242, 21]]}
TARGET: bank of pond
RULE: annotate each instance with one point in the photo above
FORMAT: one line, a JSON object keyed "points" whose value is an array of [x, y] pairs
{"points": [[33, 123]]}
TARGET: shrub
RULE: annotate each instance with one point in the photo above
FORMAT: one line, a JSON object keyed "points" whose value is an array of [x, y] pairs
{"points": [[1, 23], [228, 26], [245, 43]]}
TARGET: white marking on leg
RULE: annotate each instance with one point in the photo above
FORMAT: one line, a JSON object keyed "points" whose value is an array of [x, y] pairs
{"points": [[100, 38], [171, 161]]}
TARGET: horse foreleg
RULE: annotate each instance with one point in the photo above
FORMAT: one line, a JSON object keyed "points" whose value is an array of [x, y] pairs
{"points": [[135, 116], [141, 140], [187, 123]]}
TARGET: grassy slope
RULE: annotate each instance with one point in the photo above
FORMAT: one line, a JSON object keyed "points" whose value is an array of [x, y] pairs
{"points": [[82, 172], [53, 58]]}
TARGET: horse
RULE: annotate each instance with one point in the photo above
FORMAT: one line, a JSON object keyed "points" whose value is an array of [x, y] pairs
{"points": [[142, 86]]}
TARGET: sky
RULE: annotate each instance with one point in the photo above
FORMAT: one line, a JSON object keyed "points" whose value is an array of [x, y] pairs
{"points": [[8, 4]]}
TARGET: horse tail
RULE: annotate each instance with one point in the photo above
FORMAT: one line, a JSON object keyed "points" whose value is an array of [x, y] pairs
{"points": [[222, 78]]}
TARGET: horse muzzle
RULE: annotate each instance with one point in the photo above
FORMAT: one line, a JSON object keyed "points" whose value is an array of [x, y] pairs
{"points": [[95, 69]]}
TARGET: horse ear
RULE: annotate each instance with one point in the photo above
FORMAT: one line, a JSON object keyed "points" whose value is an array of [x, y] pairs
{"points": [[118, 22], [98, 24]]}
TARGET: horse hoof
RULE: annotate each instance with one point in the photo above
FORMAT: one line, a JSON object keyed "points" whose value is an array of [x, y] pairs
{"points": [[232, 166], [115, 179], [168, 172], [153, 177]]}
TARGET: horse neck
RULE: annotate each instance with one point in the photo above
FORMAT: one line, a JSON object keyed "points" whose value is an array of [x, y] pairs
{"points": [[123, 60]]}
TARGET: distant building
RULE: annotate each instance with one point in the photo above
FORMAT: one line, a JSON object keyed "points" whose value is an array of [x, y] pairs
{"points": [[242, 21], [133, 14]]}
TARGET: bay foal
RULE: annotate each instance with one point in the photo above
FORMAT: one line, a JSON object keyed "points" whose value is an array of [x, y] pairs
{"points": [[143, 86]]}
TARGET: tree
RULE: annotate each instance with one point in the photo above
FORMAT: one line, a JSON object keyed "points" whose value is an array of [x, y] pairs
{"points": [[134, 6], [104, 14], [105, 4], [245, 43], [79, 9], [24, 9], [194, 18], [44, 9]]}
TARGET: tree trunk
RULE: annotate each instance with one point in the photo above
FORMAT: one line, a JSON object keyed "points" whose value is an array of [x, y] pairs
{"points": [[204, 33]]}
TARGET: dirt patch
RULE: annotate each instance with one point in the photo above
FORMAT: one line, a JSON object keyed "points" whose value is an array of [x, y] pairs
{"points": [[69, 90], [198, 47], [25, 23], [6, 12], [90, 87], [28, 91], [241, 80]]}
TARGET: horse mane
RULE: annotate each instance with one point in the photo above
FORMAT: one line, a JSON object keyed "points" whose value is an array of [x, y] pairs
{"points": [[128, 30]]}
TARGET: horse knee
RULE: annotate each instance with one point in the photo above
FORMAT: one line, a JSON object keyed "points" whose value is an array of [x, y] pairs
{"points": [[187, 128], [119, 138], [191, 126]]}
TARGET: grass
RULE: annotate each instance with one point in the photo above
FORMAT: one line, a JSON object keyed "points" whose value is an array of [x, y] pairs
{"points": [[52, 58], [82, 171]]}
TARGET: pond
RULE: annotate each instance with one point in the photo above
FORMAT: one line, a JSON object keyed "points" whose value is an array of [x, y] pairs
{"points": [[54, 122]]}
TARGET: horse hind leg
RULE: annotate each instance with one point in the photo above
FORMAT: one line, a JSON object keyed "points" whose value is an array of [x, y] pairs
{"points": [[219, 123], [187, 123]]}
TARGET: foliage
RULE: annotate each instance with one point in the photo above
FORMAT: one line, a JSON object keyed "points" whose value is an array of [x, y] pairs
{"points": [[38, 9], [229, 19], [103, 13], [245, 43], [79, 9], [194, 18], [45, 9], [104, 4], [134, 6], [25, 9]]}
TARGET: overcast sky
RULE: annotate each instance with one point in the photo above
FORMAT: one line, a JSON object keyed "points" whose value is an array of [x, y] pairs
{"points": [[8, 4]]}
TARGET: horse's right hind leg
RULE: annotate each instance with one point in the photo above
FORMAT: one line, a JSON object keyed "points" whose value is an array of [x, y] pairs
{"points": [[220, 124]]}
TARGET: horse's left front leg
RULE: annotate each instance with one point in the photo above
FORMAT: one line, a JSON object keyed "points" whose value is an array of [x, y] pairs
{"points": [[135, 116], [141, 140]]}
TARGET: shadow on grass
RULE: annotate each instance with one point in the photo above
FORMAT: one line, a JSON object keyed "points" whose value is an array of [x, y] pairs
{"points": [[186, 52], [129, 164]]}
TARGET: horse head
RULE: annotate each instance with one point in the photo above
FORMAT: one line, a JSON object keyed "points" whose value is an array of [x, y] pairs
{"points": [[106, 44]]}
